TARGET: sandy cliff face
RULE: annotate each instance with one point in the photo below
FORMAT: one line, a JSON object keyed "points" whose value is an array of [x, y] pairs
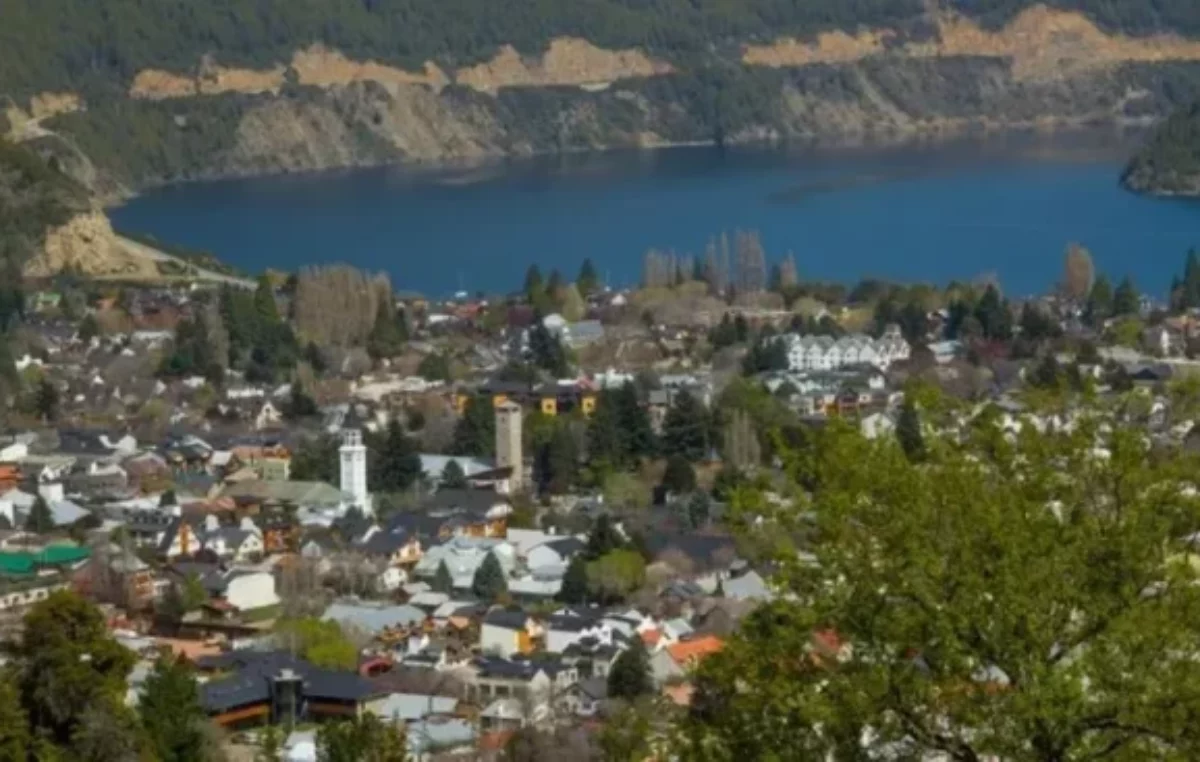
{"points": [[1041, 43], [88, 245]]}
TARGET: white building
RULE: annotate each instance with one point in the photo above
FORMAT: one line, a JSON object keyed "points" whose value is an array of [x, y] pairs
{"points": [[807, 353], [353, 456]]}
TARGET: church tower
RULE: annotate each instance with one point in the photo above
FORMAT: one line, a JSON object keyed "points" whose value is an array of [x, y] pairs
{"points": [[353, 455], [508, 443]]}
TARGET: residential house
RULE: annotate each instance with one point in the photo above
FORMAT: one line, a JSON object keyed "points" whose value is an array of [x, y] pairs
{"points": [[508, 631], [462, 557], [679, 659], [374, 619], [826, 352]]}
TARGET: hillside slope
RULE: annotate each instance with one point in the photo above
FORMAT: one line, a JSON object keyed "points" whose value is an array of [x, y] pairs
{"points": [[1169, 164], [175, 90]]}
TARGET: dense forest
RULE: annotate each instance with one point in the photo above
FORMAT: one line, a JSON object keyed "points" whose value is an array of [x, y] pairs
{"points": [[89, 44], [1169, 163]]}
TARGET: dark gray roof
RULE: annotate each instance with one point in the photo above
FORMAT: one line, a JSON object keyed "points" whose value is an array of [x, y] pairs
{"points": [[254, 671], [512, 619], [567, 623], [473, 501], [566, 546]]}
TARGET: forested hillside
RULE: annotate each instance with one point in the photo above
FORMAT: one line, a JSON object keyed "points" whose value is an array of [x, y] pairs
{"points": [[1170, 161], [170, 90], [34, 197], [83, 44]]}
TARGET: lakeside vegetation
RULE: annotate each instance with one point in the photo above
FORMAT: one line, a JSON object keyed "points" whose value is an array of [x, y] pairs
{"points": [[34, 196], [1169, 163]]}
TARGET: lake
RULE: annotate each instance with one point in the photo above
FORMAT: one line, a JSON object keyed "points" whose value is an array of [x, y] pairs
{"points": [[1005, 206]]}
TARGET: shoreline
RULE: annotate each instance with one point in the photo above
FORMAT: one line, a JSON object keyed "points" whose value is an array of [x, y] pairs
{"points": [[442, 171]]}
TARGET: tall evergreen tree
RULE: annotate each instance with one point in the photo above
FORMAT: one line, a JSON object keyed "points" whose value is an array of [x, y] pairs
{"points": [[396, 462], [559, 460], [546, 349], [908, 431], [535, 285], [453, 476], [490, 582], [388, 333], [630, 676], [1099, 306], [588, 281], [602, 539], [994, 316], [699, 508], [685, 428], [40, 520], [1126, 298], [575, 582], [604, 448], [679, 477], [443, 582], [46, 401], [475, 432], [633, 424], [171, 713], [14, 723]]}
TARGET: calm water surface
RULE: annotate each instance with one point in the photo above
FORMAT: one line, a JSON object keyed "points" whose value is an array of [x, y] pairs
{"points": [[1005, 206]]}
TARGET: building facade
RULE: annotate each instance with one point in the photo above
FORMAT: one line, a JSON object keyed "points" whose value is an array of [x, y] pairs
{"points": [[807, 353]]}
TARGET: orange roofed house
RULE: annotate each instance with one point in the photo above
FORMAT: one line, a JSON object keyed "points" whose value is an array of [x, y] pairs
{"points": [[677, 660]]}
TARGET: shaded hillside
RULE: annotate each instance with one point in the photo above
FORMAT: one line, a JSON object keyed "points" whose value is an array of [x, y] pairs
{"points": [[1169, 163], [34, 197]]}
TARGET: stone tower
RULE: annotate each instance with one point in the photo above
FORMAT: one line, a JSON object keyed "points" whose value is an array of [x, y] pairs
{"points": [[354, 470], [508, 442]]}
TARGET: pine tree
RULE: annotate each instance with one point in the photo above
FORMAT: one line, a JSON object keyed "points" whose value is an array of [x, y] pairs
{"points": [[1125, 298], [453, 476], [14, 727], [604, 448], [443, 582], [547, 350], [699, 508], [562, 461], [680, 477], [575, 582], [908, 432], [387, 337], [684, 431], [397, 465], [602, 539], [588, 281], [40, 520], [489, 583], [633, 424], [171, 713], [535, 286], [475, 432], [1099, 305], [630, 677]]}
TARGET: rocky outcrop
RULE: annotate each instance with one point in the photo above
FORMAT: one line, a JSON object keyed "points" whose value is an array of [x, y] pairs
{"points": [[87, 245]]}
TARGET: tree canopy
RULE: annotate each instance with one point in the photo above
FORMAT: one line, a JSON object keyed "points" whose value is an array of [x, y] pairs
{"points": [[1015, 596]]}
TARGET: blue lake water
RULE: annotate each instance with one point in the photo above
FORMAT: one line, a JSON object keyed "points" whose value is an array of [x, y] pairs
{"points": [[935, 213]]}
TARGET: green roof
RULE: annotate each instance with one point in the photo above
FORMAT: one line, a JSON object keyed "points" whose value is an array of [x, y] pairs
{"points": [[16, 563]]}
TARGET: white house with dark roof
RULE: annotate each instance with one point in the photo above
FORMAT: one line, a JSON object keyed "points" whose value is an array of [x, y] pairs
{"points": [[807, 353]]}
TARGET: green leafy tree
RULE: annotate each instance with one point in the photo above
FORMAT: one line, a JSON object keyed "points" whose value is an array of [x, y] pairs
{"points": [[1050, 616], [171, 713], [685, 428], [556, 464], [490, 583], [615, 575], [434, 367], [107, 732], [40, 520], [363, 739], [575, 582], [588, 281], [626, 492], [475, 432], [65, 661], [909, 431], [453, 476], [270, 745], [316, 459], [630, 677], [323, 643], [679, 477], [443, 582]]}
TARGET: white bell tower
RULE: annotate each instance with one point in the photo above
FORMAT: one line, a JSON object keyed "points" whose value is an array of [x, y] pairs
{"points": [[354, 470]]}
